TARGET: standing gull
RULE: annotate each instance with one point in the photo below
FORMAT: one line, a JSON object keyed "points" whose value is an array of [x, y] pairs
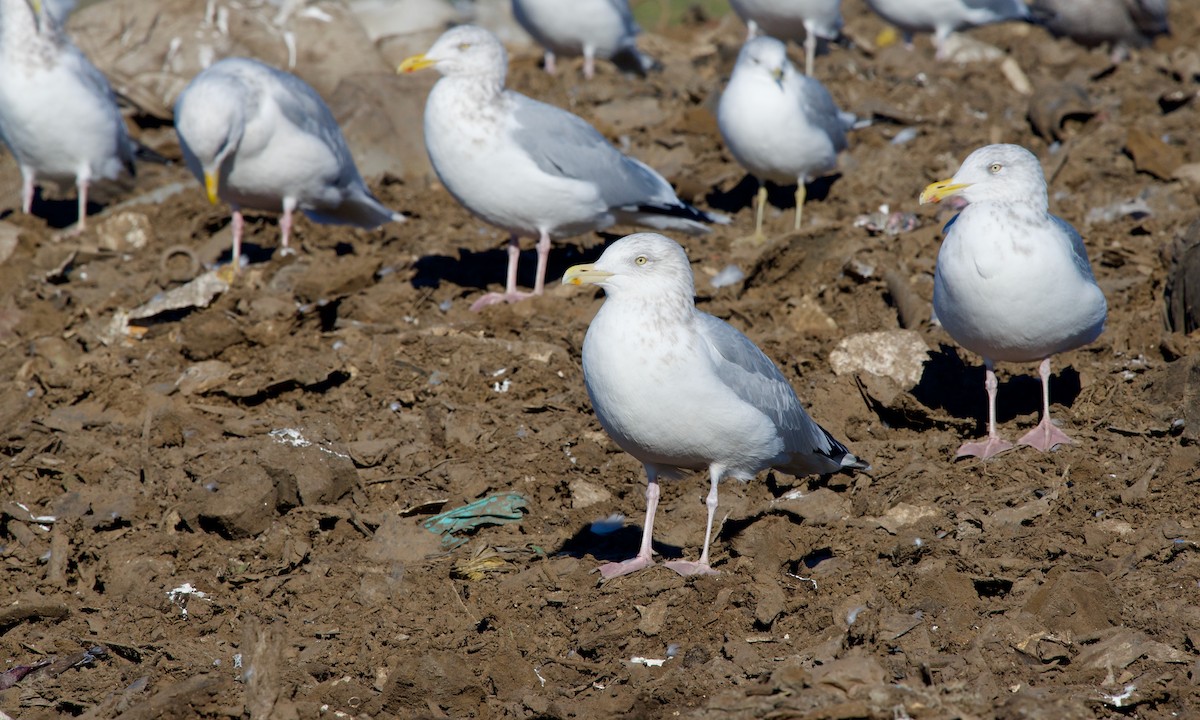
{"points": [[261, 138], [942, 17], [58, 115], [792, 20], [682, 390], [591, 28], [1013, 282], [780, 125], [528, 167]]}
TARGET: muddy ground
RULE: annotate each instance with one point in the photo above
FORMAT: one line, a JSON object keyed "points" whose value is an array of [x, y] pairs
{"points": [[279, 450]]}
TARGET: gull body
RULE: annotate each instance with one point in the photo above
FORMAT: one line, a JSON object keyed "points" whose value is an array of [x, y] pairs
{"points": [[1013, 282], [807, 20], [261, 138], [1129, 23], [942, 17], [58, 115], [592, 28], [682, 390], [530, 168], [780, 125]]}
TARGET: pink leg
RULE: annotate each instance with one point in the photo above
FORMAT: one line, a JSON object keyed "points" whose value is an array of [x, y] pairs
{"points": [[27, 179], [644, 558], [1045, 435], [589, 62], [285, 226], [994, 445], [549, 63], [810, 51], [81, 188], [543, 257], [510, 294], [239, 224], [701, 566]]}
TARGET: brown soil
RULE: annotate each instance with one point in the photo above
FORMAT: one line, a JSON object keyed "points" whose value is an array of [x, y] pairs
{"points": [[1057, 585]]}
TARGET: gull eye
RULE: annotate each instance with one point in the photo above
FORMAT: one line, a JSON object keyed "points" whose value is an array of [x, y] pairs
{"points": [[464, 46], [640, 260], [995, 168]]}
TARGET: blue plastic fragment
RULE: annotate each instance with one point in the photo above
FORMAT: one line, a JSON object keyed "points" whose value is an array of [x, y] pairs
{"points": [[497, 509]]}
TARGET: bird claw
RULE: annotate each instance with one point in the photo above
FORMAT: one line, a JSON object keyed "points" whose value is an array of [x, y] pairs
{"points": [[1045, 436], [495, 298], [608, 571], [984, 449], [688, 568]]}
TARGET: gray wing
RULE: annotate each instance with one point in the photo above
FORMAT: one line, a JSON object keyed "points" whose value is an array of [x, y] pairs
{"points": [[1078, 251], [305, 109], [823, 112], [97, 83], [1150, 16], [622, 8], [746, 370], [1001, 8], [565, 145]]}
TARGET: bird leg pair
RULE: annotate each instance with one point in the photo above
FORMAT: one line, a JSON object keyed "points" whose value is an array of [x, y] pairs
{"points": [[238, 226], [511, 294], [644, 557], [550, 64], [761, 203], [82, 181], [1043, 437]]}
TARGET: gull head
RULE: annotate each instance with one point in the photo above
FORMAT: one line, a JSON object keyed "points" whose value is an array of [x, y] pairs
{"points": [[210, 118], [1005, 173], [465, 50], [766, 57], [642, 265]]}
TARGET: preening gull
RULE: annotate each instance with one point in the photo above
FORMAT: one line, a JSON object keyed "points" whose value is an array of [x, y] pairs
{"points": [[942, 17], [58, 114], [528, 167], [591, 28], [262, 138], [793, 20], [1013, 282], [780, 125], [1129, 23], [682, 390]]}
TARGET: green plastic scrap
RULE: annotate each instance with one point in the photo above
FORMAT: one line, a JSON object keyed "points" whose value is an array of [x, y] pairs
{"points": [[492, 510]]}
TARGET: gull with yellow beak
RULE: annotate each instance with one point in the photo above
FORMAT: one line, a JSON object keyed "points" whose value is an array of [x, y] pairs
{"points": [[262, 138], [530, 168], [1013, 282], [58, 115], [681, 390], [780, 125]]}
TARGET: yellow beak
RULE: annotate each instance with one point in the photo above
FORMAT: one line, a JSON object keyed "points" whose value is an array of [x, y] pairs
{"points": [[37, 7], [942, 189], [584, 275], [415, 63], [210, 186]]}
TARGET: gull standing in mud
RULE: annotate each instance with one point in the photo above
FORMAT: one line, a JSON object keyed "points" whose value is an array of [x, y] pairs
{"points": [[261, 138], [943, 17], [528, 167], [780, 125], [1013, 282], [58, 115], [812, 20], [682, 390], [591, 28]]}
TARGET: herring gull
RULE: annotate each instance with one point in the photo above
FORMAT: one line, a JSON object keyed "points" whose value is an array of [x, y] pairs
{"points": [[1013, 282], [682, 390], [780, 125], [1121, 23], [591, 28], [943, 17], [58, 115], [531, 168], [261, 138], [792, 20]]}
